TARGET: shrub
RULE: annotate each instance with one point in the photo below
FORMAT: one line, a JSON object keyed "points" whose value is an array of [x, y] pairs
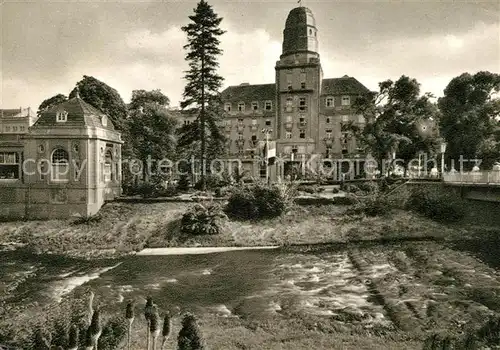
{"points": [[211, 182], [335, 190], [259, 201], [374, 205], [368, 186], [436, 206], [190, 337], [202, 220], [350, 188], [183, 183], [88, 220], [311, 189], [346, 200]]}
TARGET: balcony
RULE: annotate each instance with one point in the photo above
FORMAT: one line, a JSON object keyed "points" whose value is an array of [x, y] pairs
{"points": [[328, 141]]}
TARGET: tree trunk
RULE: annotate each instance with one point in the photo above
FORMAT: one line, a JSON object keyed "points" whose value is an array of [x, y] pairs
{"points": [[202, 122]]}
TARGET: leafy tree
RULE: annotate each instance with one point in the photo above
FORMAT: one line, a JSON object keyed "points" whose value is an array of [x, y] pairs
{"points": [[142, 97], [201, 93], [152, 128], [104, 98], [51, 102], [398, 120], [470, 108]]}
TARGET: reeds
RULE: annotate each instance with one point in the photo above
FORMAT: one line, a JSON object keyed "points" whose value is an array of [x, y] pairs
{"points": [[95, 329], [154, 327], [129, 316], [148, 314], [73, 338], [167, 328]]}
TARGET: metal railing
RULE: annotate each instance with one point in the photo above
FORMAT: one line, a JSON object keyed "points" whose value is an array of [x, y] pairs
{"points": [[476, 177]]}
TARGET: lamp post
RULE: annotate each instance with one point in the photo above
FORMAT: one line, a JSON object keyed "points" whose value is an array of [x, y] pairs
{"points": [[443, 150]]}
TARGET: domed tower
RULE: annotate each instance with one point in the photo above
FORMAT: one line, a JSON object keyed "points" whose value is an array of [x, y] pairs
{"points": [[298, 85], [300, 34]]}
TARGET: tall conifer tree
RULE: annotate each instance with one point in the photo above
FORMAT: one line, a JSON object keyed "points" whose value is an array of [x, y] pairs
{"points": [[201, 93]]}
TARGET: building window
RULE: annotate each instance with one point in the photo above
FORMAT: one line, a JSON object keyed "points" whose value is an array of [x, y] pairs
{"points": [[240, 136], [288, 119], [104, 120], [289, 104], [255, 106], [227, 107], [329, 102], [62, 116], [302, 104], [302, 121], [60, 165], [288, 135], [302, 80], [241, 107], [254, 140], [108, 163], [346, 100], [240, 121], [302, 134], [289, 80], [268, 123], [254, 122], [21, 128], [345, 119], [9, 166], [345, 139], [328, 133], [328, 120], [268, 106], [14, 128]]}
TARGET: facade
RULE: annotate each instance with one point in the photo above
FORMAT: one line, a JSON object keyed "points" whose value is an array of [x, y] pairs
{"points": [[68, 163], [303, 112]]}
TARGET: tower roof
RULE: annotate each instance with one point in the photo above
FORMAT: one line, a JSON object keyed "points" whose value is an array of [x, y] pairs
{"points": [[300, 32], [79, 114], [300, 16]]}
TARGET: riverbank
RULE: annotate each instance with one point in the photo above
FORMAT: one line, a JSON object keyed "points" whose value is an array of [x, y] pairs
{"points": [[126, 228]]}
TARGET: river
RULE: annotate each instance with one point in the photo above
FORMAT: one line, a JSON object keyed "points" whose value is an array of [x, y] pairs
{"points": [[252, 283]]}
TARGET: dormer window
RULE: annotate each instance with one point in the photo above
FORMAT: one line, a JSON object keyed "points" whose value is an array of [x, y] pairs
{"points": [[227, 107], [346, 100], [104, 120], [255, 106], [268, 106], [241, 107], [62, 116], [329, 101]]}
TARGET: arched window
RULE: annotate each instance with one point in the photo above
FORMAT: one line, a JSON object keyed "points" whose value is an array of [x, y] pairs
{"points": [[60, 165]]}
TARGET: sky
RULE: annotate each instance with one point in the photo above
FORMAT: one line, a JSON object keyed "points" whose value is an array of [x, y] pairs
{"points": [[47, 46]]}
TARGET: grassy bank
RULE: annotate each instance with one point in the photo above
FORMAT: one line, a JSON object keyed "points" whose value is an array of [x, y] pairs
{"points": [[123, 228]]}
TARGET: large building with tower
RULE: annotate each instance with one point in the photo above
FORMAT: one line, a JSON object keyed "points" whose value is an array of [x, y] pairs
{"points": [[302, 112]]}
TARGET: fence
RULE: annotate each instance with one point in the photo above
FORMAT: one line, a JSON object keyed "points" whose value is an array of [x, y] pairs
{"points": [[475, 177]]}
